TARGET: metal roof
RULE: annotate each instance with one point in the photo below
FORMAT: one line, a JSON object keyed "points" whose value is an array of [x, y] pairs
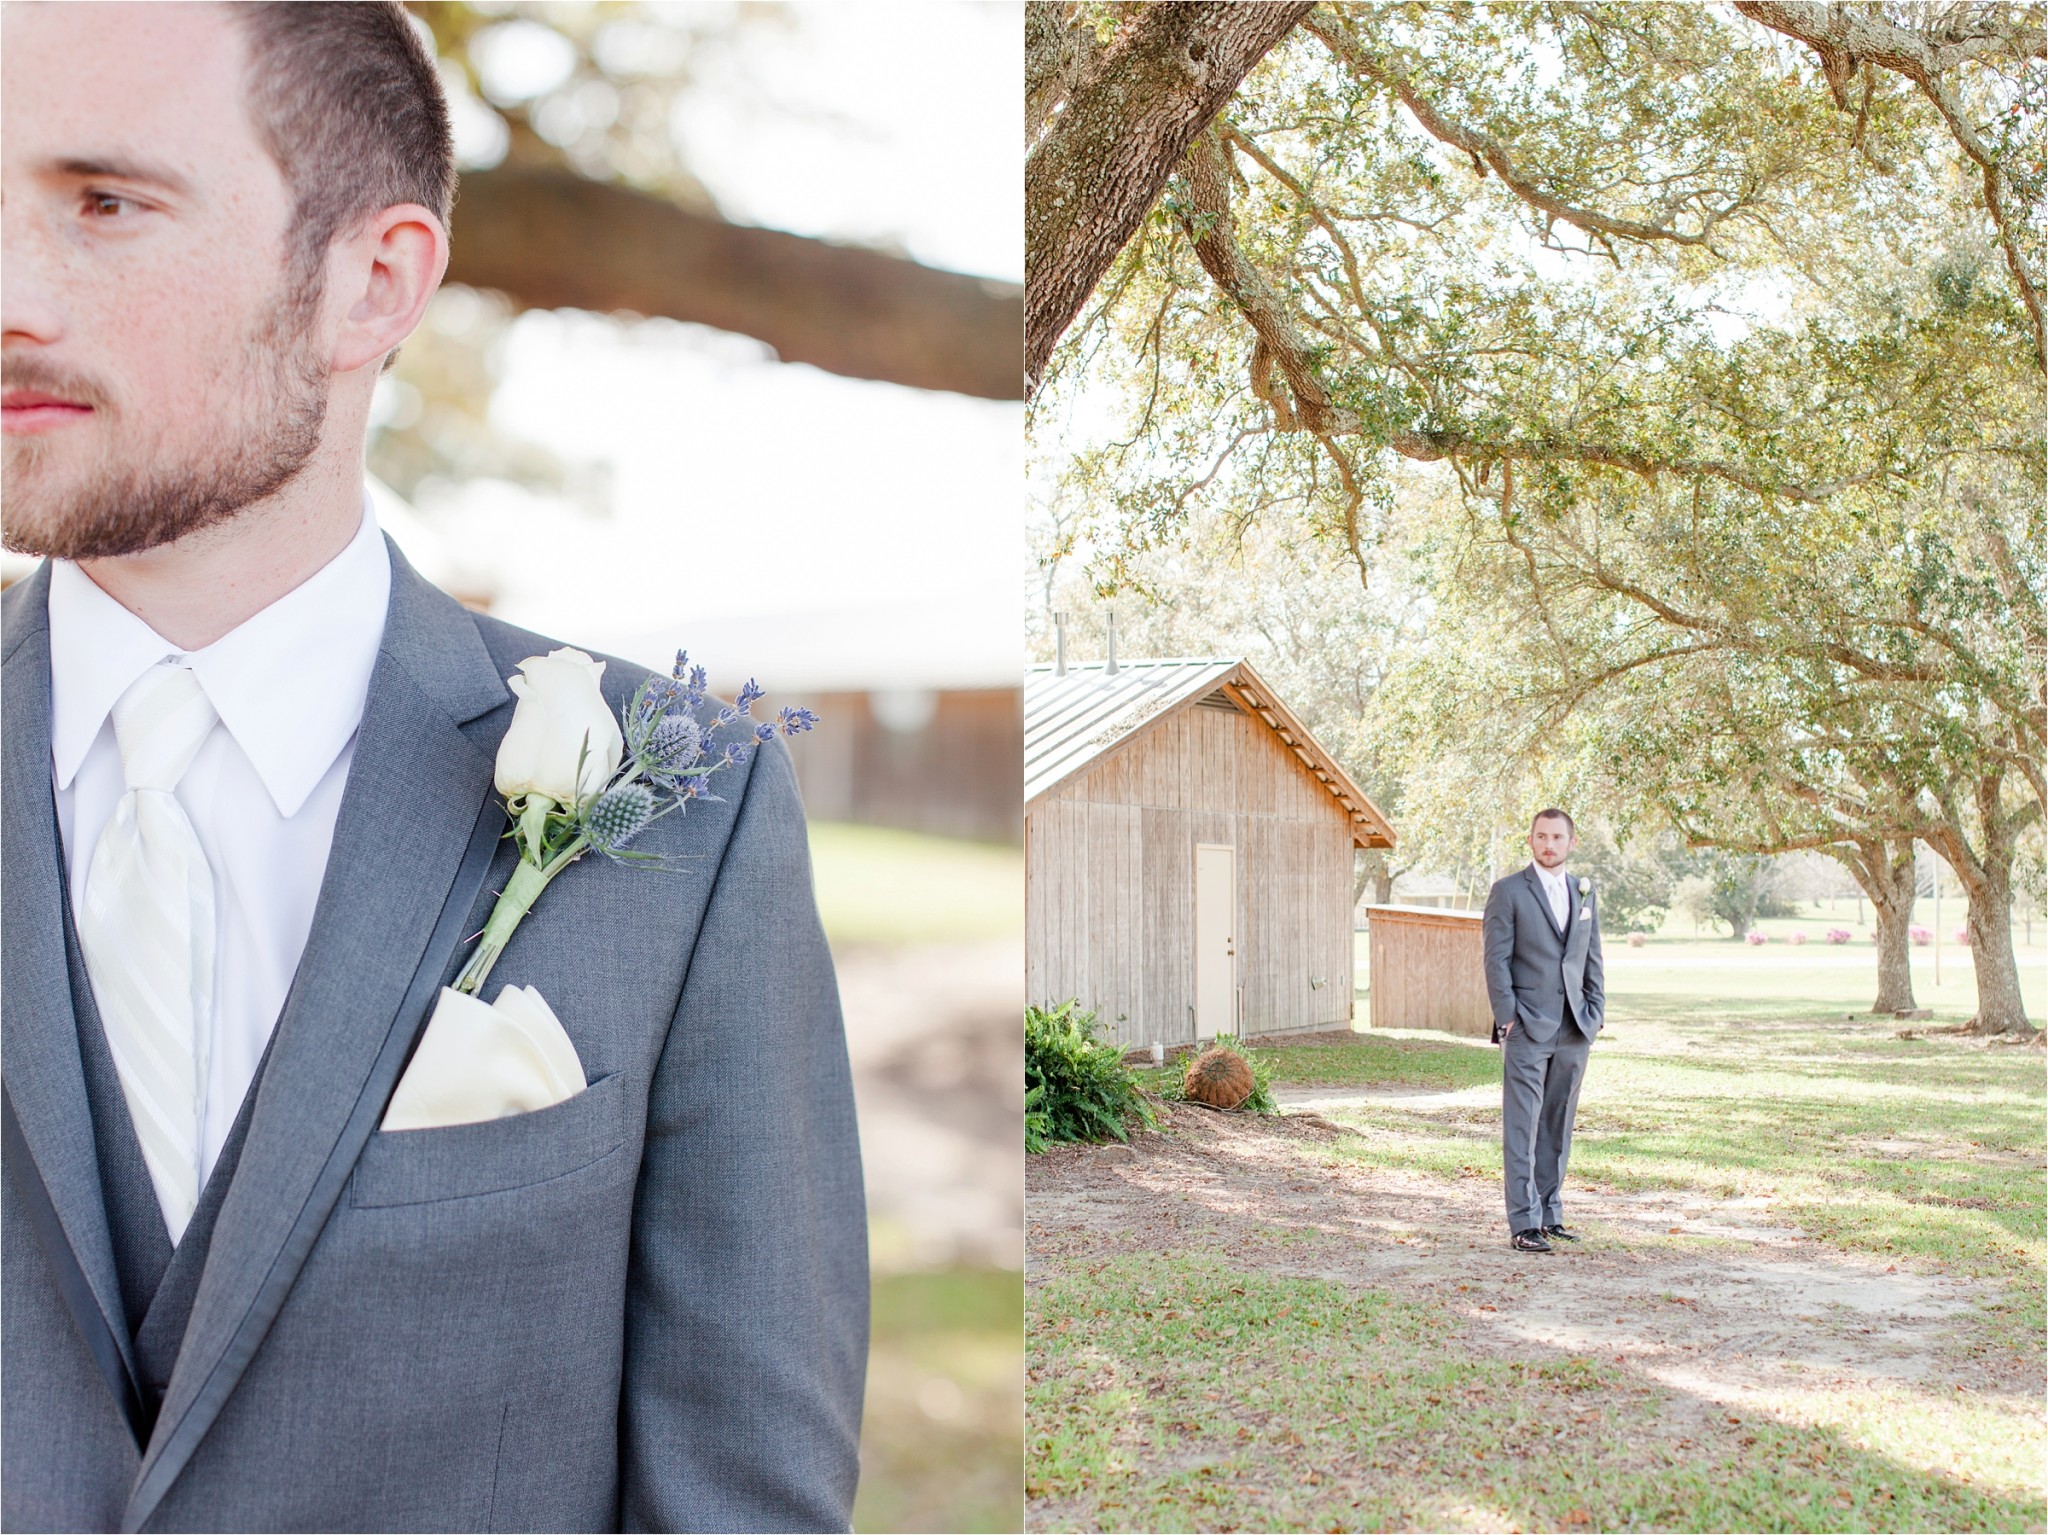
{"points": [[1073, 720]]}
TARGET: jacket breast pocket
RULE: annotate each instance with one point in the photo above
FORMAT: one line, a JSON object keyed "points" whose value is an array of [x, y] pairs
{"points": [[411, 1167]]}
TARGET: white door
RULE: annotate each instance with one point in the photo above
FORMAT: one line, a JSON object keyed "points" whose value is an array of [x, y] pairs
{"points": [[1215, 940]]}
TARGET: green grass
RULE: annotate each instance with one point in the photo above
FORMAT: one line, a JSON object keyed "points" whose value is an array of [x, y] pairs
{"points": [[1178, 1392], [1408, 1058], [941, 1441], [881, 886]]}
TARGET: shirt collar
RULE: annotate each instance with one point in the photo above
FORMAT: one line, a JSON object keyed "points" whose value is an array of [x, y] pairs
{"points": [[1548, 876], [289, 682]]}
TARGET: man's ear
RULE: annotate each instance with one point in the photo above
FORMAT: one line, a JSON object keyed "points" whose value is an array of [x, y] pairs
{"points": [[386, 271]]}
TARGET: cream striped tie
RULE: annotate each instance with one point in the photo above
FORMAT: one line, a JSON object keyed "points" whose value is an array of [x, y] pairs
{"points": [[147, 929]]}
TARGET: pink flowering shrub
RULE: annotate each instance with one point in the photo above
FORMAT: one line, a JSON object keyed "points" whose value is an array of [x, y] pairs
{"points": [[1755, 937], [1921, 936], [1839, 935], [1798, 937], [1963, 936], [1637, 940]]}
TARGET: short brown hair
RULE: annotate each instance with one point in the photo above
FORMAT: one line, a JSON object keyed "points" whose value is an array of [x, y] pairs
{"points": [[1555, 814], [349, 103]]}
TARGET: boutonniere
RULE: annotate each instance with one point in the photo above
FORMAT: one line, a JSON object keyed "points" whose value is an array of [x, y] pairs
{"points": [[577, 780], [1585, 886]]}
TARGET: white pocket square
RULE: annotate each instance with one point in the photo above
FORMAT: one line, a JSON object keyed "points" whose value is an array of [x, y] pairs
{"points": [[481, 1061], [1585, 916]]}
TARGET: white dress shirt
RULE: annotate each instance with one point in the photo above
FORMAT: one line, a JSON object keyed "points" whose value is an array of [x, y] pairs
{"points": [[263, 792], [1557, 886]]}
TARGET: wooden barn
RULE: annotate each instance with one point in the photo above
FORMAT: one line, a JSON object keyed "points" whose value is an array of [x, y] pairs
{"points": [[1189, 853]]}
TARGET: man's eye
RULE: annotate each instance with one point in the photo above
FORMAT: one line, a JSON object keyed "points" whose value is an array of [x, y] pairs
{"points": [[107, 205]]}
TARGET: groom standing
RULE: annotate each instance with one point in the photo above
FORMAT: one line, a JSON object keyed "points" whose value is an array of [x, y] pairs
{"points": [[1544, 979], [249, 829]]}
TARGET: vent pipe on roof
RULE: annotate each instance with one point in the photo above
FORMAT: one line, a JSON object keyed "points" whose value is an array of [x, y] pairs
{"points": [[1109, 666], [1059, 652]]}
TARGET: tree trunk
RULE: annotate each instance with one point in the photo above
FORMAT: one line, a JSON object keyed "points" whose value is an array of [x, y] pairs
{"points": [[1738, 908], [1372, 869], [1985, 873], [552, 239], [1885, 873], [2000, 1008], [1127, 120], [1894, 922]]}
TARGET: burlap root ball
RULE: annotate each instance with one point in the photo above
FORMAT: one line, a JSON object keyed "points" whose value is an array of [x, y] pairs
{"points": [[1220, 1078]]}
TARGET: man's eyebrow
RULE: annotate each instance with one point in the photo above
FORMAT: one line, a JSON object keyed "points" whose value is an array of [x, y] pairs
{"points": [[123, 167]]}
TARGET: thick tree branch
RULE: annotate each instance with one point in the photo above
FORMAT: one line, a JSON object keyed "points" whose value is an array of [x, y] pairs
{"points": [[1206, 216], [1301, 402], [1489, 152], [1846, 38], [556, 240], [1432, 446], [1127, 119], [1846, 35], [1697, 623]]}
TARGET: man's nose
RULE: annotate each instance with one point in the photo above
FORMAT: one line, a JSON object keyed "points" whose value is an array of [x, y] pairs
{"points": [[30, 314]]}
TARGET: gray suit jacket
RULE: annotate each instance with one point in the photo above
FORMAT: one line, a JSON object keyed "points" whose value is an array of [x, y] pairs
{"points": [[1532, 968], [642, 1308]]}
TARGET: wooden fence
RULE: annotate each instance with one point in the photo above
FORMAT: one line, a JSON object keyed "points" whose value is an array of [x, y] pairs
{"points": [[1426, 970]]}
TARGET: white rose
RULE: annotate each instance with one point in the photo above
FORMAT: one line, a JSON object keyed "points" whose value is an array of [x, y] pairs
{"points": [[1585, 887], [560, 708]]}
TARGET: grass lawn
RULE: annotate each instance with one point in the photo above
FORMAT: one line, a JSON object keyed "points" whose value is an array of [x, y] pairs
{"points": [[1228, 1356], [881, 886], [1176, 1392]]}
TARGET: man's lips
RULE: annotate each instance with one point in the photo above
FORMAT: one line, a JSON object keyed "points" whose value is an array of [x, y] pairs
{"points": [[31, 410]]}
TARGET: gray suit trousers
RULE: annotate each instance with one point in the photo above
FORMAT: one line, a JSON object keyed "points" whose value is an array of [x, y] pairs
{"points": [[1540, 1081]]}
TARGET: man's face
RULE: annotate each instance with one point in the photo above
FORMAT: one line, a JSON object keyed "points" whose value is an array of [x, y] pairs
{"points": [[159, 369], [1551, 841]]}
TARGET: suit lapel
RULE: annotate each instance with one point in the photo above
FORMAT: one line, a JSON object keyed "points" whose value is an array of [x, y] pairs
{"points": [[50, 1120], [1542, 898], [413, 842]]}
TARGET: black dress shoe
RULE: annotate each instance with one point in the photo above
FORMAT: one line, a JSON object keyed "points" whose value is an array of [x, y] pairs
{"points": [[1560, 1234], [1531, 1241]]}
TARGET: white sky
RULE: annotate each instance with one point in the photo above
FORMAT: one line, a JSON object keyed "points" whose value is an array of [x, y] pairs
{"points": [[768, 513]]}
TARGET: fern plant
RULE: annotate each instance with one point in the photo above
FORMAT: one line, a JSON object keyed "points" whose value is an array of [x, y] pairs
{"points": [[1037, 1121], [1076, 1087]]}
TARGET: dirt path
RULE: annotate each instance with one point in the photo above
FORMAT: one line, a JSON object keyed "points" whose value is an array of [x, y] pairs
{"points": [[1703, 1295]]}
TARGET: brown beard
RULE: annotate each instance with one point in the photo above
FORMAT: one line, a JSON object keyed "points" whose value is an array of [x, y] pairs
{"points": [[130, 509]]}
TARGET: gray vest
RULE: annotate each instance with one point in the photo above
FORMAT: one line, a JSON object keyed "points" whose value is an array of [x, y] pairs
{"points": [[158, 1283]]}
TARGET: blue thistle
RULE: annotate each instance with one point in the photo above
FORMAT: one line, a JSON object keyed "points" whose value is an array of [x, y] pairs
{"points": [[618, 816]]}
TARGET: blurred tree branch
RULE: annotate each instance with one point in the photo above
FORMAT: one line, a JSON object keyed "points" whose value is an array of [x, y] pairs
{"points": [[554, 239], [594, 204]]}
